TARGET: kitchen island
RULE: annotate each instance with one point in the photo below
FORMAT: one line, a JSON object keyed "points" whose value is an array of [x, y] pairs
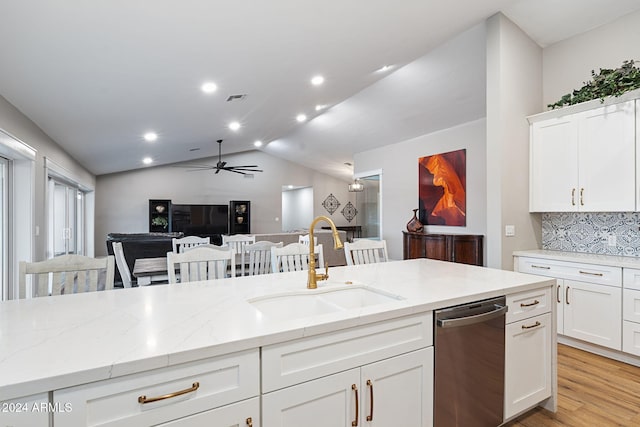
{"points": [[100, 358]]}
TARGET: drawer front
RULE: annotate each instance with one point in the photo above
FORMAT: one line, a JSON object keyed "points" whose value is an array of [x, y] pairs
{"points": [[221, 380], [528, 304], [631, 305], [592, 273], [32, 411], [631, 278], [307, 358], [631, 337], [241, 414]]}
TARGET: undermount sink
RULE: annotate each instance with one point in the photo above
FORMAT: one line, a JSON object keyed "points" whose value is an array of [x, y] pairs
{"points": [[305, 303]]}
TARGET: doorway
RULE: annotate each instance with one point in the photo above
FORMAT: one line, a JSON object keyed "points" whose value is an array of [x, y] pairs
{"points": [[369, 204], [66, 219], [297, 208]]}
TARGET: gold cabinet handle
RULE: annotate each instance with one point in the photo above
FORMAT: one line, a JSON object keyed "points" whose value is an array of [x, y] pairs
{"points": [[543, 267], [566, 295], [370, 385], [249, 422], [590, 274], [573, 197], [535, 325], [355, 389], [581, 197], [144, 399], [558, 294], [535, 302]]}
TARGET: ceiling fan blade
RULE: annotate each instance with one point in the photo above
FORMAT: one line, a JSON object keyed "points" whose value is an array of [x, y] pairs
{"points": [[217, 170], [244, 166], [235, 171], [240, 168]]}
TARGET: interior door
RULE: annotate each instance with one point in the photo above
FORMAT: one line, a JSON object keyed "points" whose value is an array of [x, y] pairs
{"points": [[369, 205], [66, 219]]}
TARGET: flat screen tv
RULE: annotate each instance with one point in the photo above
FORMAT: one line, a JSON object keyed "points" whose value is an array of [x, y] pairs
{"points": [[200, 220]]}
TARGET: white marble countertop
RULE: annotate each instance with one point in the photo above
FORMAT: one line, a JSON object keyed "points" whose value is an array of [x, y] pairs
{"points": [[56, 342], [609, 260]]}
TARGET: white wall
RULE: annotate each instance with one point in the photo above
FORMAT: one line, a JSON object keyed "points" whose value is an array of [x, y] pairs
{"points": [[568, 64], [122, 198], [297, 209], [514, 79], [399, 164]]}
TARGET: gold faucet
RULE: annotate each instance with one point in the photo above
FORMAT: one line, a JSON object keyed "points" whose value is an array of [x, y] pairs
{"points": [[312, 281]]}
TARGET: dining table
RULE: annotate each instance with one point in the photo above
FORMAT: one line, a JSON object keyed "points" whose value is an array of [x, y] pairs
{"points": [[147, 270]]}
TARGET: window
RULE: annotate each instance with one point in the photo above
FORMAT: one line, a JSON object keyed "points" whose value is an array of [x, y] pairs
{"points": [[4, 227], [66, 219]]}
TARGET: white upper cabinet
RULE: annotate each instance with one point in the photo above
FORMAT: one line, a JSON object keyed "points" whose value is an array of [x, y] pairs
{"points": [[584, 161]]}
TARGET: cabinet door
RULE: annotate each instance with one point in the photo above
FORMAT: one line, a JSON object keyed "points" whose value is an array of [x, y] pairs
{"points": [[527, 363], [327, 401], [607, 159], [560, 295], [398, 391], [593, 313], [467, 249], [436, 247], [553, 166], [241, 414]]}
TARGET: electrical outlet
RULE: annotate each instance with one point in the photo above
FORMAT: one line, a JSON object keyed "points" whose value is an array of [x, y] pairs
{"points": [[611, 240], [509, 230]]}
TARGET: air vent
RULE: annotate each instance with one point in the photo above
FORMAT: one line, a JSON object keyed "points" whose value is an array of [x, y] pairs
{"points": [[236, 97], [194, 149]]}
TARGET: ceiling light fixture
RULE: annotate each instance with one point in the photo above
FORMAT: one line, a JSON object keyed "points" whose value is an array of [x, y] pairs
{"points": [[301, 118], [150, 136], [317, 80], [147, 160], [356, 187], [209, 87], [384, 68], [320, 107], [234, 126], [257, 143]]}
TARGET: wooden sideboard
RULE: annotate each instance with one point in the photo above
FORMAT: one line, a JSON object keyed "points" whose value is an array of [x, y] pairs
{"points": [[461, 248]]}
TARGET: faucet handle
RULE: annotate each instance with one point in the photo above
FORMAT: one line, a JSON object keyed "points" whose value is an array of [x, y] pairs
{"points": [[326, 269]]}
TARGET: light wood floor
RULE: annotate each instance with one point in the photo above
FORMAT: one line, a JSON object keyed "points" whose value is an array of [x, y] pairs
{"points": [[593, 391]]}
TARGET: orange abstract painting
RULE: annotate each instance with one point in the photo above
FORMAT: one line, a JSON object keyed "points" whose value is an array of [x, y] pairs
{"points": [[442, 183]]}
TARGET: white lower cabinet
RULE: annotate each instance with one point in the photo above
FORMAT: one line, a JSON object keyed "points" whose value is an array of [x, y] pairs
{"points": [[528, 376], [392, 392], [28, 411], [241, 414]]}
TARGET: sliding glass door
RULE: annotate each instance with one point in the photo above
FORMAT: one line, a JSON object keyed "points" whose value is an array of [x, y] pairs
{"points": [[66, 219], [4, 227]]}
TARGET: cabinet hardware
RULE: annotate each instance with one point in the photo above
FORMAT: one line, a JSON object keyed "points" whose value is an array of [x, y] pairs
{"points": [[144, 399], [581, 197], [535, 325], [370, 385], [566, 295], [355, 389], [249, 422], [535, 302], [544, 267], [558, 294], [590, 274], [573, 197]]}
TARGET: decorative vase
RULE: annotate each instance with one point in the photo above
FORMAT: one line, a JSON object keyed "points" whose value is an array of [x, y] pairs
{"points": [[414, 225]]}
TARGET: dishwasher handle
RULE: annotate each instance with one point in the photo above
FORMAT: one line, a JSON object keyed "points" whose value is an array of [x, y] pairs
{"points": [[499, 310]]}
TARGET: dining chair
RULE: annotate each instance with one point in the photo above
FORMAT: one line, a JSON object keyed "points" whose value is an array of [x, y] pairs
{"points": [[179, 245], [365, 251], [294, 257], [205, 262], [304, 239], [65, 274], [121, 264], [238, 242], [256, 257]]}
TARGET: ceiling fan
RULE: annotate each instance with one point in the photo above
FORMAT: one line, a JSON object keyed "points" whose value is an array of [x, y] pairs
{"points": [[244, 170]]}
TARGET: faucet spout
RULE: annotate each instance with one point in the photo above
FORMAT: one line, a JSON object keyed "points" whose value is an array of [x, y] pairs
{"points": [[312, 281]]}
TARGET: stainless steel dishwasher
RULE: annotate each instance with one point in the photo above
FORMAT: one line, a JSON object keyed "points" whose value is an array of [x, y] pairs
{"points": [[469, 364]]}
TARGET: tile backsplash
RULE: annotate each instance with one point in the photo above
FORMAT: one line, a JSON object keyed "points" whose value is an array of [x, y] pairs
{"points": [[590, 232]]}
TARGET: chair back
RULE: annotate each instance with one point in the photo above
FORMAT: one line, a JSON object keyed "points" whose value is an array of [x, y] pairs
{"points": [[205, 262], [256, 257], [66, 274], [294, 257], [179, 245], [238, 241], [304, 239], [365, 251], [121, 263]]}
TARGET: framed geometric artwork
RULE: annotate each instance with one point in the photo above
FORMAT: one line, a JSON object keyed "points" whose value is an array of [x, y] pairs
{"points": [[442, 188]]}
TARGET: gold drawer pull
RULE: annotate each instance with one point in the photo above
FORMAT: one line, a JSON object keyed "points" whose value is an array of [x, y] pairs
{"points": [[249, 422], [590, 274], [144, 399], [573, 197], [355, 389], [535, 325], [535, 302], [544, 267], [370, 385], [581, 197]]}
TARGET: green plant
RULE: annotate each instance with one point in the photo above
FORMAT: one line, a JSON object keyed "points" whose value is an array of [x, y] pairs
{"points": [[606, 83], [159, 221]]}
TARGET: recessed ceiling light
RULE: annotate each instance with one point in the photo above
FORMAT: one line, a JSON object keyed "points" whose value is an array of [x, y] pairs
{"points": [[301, 118], [147, 160], [290, 186], [317, 80], [150, 136], [384, 68], [320, 107], [258, 143], [209, 87], [234, 126]]}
